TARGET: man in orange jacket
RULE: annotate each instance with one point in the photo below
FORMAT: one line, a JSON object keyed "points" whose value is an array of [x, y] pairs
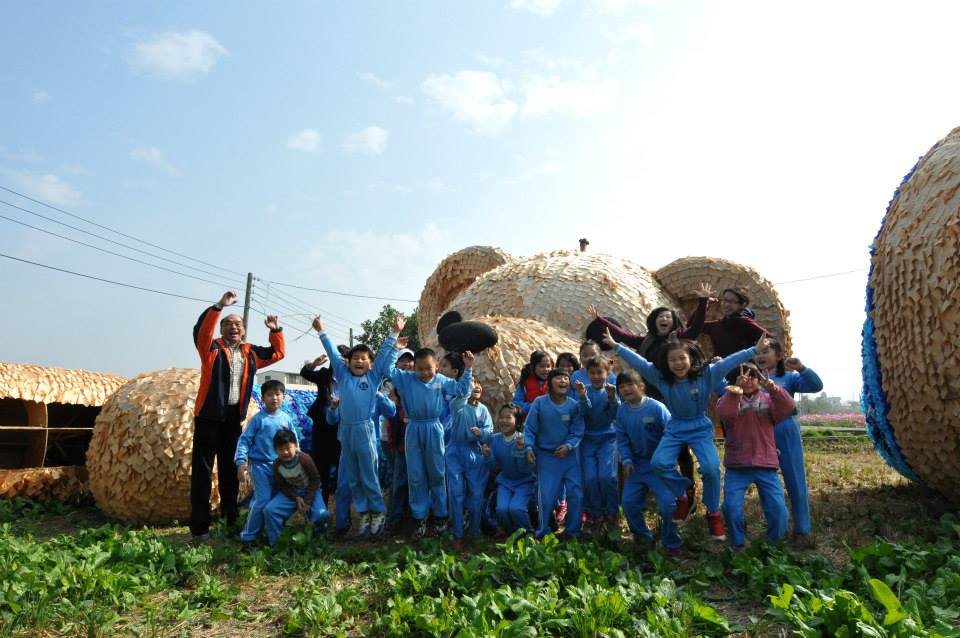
{"points": [[227, 369]]}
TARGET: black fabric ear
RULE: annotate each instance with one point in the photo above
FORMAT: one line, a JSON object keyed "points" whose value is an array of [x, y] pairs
{"points": [[596, 329], [467, 335], [449, 317]]}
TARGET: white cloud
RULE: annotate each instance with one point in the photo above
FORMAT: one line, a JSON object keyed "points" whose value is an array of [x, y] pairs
{"points": [[377, 81], [180, 56], [39, 97], [628, 32], [619, 7], [370, 141], [476, 97], [155, 157], [48, 188], [551, 94], [540, 58], [544, 8], [404, 100], [307, 140]]}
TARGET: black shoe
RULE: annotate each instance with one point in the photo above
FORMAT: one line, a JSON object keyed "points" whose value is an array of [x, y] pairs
{"points": [[439, 527], [420, 529]]}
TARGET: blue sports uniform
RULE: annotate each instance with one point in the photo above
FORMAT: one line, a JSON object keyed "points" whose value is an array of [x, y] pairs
{"points": [[598, 453], [255, 448], [639, 430], [520, 395], [516, 483], [547, 427], [467, 471], [790, 447], [358, 398], [689, 424], [423, 403]]}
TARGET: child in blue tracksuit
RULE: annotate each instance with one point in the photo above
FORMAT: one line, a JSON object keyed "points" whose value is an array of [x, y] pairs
{"points": [[516, 481], [686, 381], [467, 470], [358, 381], [385, 408], [422, 394], [553, 430], [791, 375], [598, 451], [255, 454], [640, 424], [297, 479]]}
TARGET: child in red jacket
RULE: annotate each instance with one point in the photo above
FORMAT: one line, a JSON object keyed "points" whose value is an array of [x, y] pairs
{"points": [[749, 414]]}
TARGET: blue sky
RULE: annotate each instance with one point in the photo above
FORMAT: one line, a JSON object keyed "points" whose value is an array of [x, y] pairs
{"points": [[350, 146]]}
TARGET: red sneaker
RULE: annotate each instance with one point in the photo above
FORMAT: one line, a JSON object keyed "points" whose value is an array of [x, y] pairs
{"points": [[682, 510], [715, 523], [562, 512]]}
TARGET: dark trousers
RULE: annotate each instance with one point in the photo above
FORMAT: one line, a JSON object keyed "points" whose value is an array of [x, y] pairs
{"points": [[213, 438]]}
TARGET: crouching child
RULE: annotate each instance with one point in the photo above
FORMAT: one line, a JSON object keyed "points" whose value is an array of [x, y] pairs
{"points": [[297, 479]]}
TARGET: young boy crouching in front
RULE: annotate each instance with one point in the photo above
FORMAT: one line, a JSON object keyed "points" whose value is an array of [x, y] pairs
{"points": [[296, 478]]}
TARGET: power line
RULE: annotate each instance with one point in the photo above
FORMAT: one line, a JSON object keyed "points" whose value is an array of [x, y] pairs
{"points": [[835, 274], [296, 310], [128, 247], [108, 281], [93, 223], [344, 294], [321, 311], [110, 252]]}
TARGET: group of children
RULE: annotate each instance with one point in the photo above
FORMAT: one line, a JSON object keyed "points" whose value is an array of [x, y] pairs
{"points": [[561, 446]]}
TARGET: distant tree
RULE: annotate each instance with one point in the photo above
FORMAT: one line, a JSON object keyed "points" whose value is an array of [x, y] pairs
{"points": [[376, 331], [823, 404]]}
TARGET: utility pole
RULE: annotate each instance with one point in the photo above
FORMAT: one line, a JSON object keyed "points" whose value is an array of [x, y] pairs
{"points": [[351, 337], [246, 299]]}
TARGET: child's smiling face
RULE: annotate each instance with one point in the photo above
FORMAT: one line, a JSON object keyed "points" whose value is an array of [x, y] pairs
{"points": [[507, 421], [679, 362], [286, 451], [664, 323], [543, 368], [597, 376], [559, 385]]}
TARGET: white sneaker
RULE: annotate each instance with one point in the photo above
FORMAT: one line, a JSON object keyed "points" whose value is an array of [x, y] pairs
{"points": [[377, 522], [364, 525]]}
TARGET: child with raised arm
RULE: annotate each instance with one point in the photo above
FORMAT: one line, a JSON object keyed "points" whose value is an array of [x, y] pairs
{"points": [[685, 380], [640, 425], [749, 414], [552, 431], [297, 479], [598, 450], [255, 455], [790, 374], [516, 481], [358, 381], [467, 470], [422, 393]]}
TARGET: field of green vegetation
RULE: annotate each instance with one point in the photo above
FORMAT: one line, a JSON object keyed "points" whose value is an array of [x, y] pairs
{"points": [[887, 563]]}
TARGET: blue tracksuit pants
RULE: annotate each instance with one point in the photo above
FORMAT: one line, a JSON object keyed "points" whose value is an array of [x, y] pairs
{"points": [[261, 472], [735, 485], [635, 490], [344, 496], [554, 474], [467, 475], [598, 458], [426, 471], [790, 447], [360, 458], [698, 434], [281, 507], [513, 504]]}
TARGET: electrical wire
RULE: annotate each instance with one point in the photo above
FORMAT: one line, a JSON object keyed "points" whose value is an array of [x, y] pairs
{"points": [[112, 230], [108, 281], [343, 294], [110, 252], [128, 247], [295, 311], [835, 274], [308, 305]]}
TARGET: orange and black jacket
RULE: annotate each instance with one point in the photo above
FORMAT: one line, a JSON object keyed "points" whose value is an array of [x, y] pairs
{"points": [[215, 365]]}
